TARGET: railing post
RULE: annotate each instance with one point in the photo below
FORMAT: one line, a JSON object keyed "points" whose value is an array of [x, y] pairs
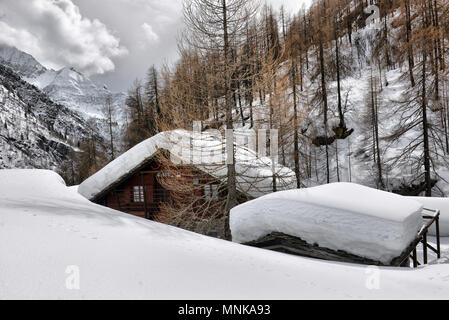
{"points": [[415, 259], [424, 244], [437, 227]]}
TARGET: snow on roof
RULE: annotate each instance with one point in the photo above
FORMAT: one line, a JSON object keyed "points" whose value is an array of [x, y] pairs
{"points": [[342, 216], [441, 204], [46, 240], [254, 174]]}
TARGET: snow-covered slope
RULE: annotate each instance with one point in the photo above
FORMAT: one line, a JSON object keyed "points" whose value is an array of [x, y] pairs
{"points": [[66, 86], [22, 63], [35, 132], [352, 159], [77, 91], [50, 235]]}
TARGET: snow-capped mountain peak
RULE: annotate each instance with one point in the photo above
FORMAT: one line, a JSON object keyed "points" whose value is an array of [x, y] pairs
{"points": [[67, 86], [23, 63]]}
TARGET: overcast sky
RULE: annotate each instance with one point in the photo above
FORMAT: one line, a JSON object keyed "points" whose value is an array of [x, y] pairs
{"points": [[113, 41]]}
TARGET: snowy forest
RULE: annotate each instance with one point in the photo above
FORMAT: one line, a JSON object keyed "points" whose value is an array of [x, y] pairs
{"points": [[353, 98]]}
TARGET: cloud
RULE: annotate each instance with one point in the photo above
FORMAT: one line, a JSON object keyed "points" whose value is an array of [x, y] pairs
{"points": [[56, 34], [149, 33]]}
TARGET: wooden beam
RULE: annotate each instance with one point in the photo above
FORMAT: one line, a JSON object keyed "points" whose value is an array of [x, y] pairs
{"points": [[144, 195], [424, 244], [117, 198], [437, 227]]}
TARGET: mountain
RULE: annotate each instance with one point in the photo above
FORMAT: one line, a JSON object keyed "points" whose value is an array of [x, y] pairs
{"points": [[35, 132], [22, 63], [78, 92], [66, 86]]}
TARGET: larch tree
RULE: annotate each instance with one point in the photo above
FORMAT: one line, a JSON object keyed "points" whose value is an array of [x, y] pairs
{"points": [[109, 112], [218, 26]]}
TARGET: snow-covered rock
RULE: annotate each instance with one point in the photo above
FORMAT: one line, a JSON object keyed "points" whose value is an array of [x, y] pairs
{"points": [[340, 216], [51, 237], [35, 132]]}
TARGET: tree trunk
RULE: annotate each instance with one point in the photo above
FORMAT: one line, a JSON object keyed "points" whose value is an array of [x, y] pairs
{"points": [[425, 129], [231, 200], [408, 30], [337, 61], [324, 95], [295, 118]]}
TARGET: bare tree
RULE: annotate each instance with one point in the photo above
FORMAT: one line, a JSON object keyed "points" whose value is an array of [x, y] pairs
{"points": [[219, 27], [109, 112]]}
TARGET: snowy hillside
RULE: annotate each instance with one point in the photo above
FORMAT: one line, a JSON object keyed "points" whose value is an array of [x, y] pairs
{"points": [[354, 158], [56, 244], [66, 86], [35, 132]]}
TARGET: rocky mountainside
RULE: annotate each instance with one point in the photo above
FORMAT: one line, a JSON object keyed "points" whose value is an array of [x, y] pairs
{"points": [[35, 132], [66, 86]]}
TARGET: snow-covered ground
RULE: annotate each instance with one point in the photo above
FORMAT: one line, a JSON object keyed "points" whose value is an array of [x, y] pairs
{"points": [[49, 234]]}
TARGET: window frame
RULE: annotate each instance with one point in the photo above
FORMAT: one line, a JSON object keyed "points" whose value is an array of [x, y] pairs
{"points": [[138, 194]]}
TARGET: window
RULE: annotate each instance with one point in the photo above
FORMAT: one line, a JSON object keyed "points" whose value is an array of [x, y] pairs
{"points": [[138, 194], [163, 174], [211, 192]]}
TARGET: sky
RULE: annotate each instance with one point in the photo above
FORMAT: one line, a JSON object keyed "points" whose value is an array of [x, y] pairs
{"points": [[112, 41]]}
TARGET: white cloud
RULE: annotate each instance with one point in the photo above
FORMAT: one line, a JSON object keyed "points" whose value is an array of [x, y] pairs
{"points": [[149, 33], [56, 33]]}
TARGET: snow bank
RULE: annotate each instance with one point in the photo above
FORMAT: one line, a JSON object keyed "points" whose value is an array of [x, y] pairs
{"points": [[254, 174], [441, 204], [32, 184], [340, 216], [46, 241]]}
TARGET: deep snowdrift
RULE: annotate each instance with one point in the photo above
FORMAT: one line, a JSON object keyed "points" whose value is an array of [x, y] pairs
{"points": [[46, 227], [340, 216]]}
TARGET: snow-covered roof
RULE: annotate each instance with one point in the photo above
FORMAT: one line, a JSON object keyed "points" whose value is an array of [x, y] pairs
{"points": [[254, 174], [441, 204], [342, 216]]}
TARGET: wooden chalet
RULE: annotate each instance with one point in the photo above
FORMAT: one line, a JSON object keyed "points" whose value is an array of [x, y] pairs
{"points": [[132, 182], [139, 193]]}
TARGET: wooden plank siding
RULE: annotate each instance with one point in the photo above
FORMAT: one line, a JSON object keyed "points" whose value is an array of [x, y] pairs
{"points": [[121, 196]]}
